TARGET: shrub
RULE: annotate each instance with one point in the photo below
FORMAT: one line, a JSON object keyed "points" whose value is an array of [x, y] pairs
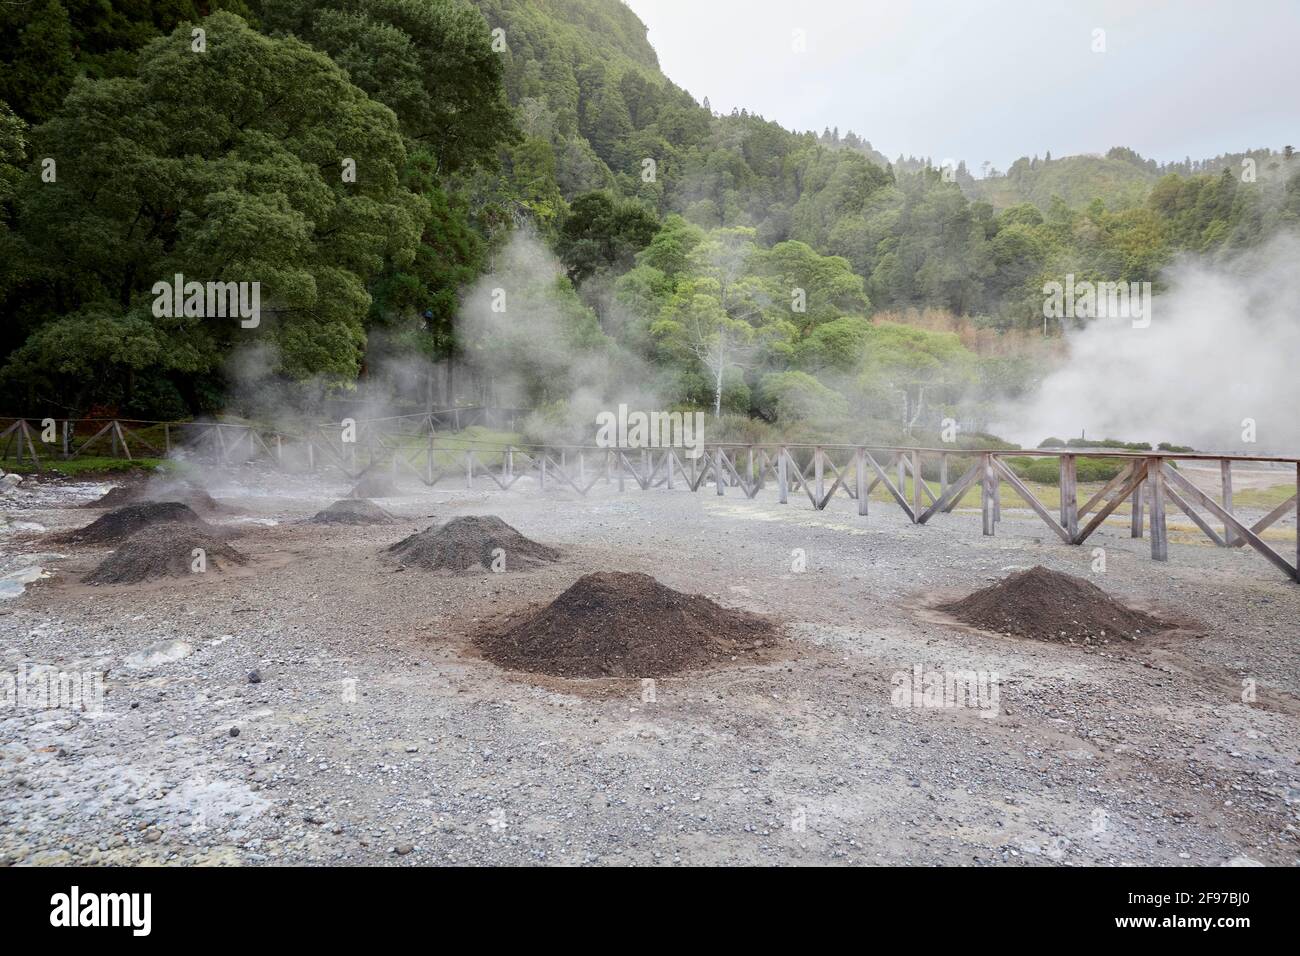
{"points": [[1047, 471]]}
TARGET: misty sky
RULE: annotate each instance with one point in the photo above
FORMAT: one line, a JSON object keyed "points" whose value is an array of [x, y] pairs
{"points": [[997, 79]]}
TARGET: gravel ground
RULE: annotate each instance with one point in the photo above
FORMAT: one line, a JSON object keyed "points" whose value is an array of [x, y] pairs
{"points": [[371, 733]]}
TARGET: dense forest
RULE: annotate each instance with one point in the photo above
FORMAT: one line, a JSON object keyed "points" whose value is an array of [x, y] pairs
{"points": [[770, 275]]}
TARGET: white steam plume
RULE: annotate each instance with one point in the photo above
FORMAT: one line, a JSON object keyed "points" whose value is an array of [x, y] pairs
{"points": [[1223, 346]]}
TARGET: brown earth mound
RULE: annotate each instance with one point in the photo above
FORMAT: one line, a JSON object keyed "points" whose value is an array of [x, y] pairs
{"points": [[164, 551], [120, 523], [359, 511], [614, 624], [467, 544], [376, 484], [184, 492], [1051, 606], [116, 497]]}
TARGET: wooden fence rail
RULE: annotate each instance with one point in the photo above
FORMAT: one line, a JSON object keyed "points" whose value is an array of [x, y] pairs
{"points": [[1150, 482]]}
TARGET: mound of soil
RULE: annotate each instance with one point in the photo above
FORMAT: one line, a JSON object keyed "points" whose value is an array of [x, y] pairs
{"points": [[359, 511], [1051, 606], [615, 624], [164, 551], [376, 484], [116, 497], [467, 544], [188, 494], [120, 523]]}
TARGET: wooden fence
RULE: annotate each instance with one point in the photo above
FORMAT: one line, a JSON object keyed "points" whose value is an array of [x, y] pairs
{"points": [[412, 446]]}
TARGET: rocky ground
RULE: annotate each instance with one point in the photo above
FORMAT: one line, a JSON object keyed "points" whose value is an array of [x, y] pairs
{"points": [[317, 706]]}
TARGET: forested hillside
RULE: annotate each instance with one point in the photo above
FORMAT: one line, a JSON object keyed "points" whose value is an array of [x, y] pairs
{"points": [[1120, 178], [757, 271]]}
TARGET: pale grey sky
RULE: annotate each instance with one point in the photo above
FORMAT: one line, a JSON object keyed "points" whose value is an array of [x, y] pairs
{"points": [[997, 79]]}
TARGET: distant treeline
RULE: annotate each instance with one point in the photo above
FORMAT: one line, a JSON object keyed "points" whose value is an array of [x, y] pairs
{"points": [[749, 265]]}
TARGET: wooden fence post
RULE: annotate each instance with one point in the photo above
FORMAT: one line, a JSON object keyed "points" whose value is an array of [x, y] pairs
{"points": [[986, 492], [1225, 472], [819, 475], [916, 486], [860, 464], [997, 493], [782, 478], [1135, 521], [121, 435], [1069, 496], [1159, 533]]}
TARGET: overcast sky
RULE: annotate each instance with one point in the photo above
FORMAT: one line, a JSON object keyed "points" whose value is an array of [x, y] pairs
{"points": [[997, 79]]}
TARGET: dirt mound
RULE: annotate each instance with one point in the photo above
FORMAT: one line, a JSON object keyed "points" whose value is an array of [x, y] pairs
{"points": [[468, 544], [120, 523], [614, 624], [359, 511], [116, 497], [376, 484], [1051, 606], [184, 492], [164, 551]]}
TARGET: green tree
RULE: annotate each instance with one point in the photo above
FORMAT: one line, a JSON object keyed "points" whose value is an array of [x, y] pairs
{"points": [[723, 313], [416, 304], [13, 157], [838, 344], [696, 326], [530, 187], [603, 232], [46, 44], [797, 396], [916, 365], [430, 61], [672, 248], [221, 165], [36, 57], [819, 288]]}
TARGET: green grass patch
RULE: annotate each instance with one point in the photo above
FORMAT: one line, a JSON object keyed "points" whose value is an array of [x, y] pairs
{"points": [[1049, 495], [1047, 471], [1265, 499], [448, 450], [87, 466]]}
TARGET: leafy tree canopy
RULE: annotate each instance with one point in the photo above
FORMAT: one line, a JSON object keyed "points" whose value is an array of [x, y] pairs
{"points": [[225, 164], [430, 61]]}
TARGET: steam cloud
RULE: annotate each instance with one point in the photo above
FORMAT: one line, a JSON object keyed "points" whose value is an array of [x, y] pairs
{"points": [[1222, 347], [542, 351]]}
